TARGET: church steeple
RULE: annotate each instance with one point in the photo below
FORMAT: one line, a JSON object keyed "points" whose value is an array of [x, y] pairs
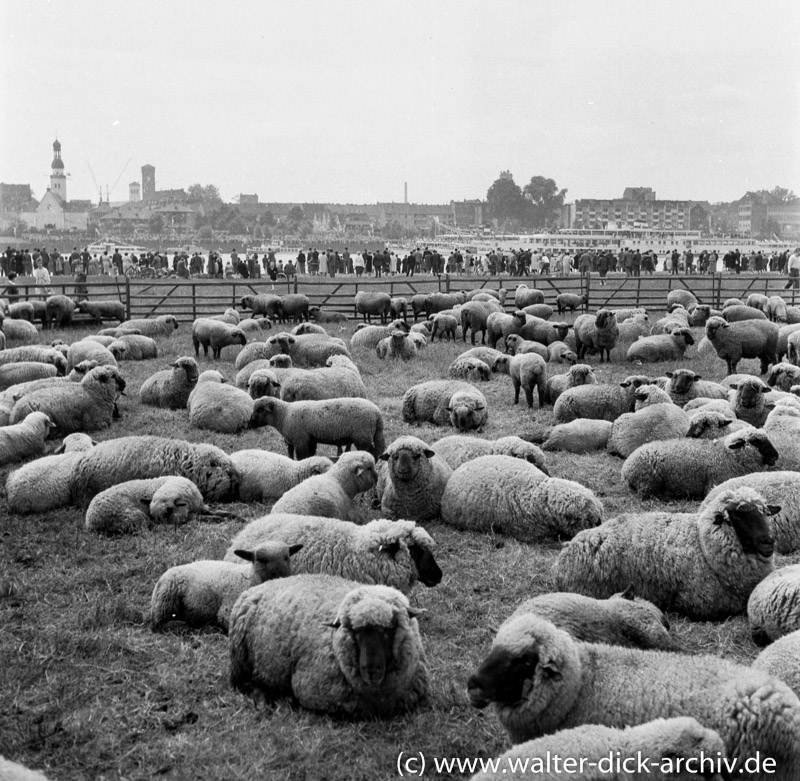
{"points": [[58, 182]]}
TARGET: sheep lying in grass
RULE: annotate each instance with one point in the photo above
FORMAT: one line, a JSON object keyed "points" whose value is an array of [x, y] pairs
{"points": [[203, 592], [578, 374], [709, 423], [634, 327], [332, 494], [265, 476], [367, 337], [163, 325], [216, 335], [25, 371], [216, 406], [601, 402], [396, 345], [579, 436], [541, 681], [460, 448], [255, 351], [336, 646], [340, 378], [784, 376], [510, 496], [445, 402], [692, 467], [782, 660], [684, 385], [663, 347], [470, 369], [171, 387], [309, 349], [773, 609], [24, 438], [20, 331], [527, 371], [90, 350], [135, 347], [703, 566], [748, 401], [35, 353]]}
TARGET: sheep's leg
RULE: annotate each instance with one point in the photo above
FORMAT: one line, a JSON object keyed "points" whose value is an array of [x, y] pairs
{"points": [[529, 397], [516, 390]]}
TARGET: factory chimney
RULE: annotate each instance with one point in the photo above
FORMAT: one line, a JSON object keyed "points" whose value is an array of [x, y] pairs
{"points": [[405, 192]]}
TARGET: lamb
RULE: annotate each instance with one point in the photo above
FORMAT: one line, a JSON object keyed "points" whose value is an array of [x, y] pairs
{"points": [[391, 553], [332, 494], [702, 565], [24, 438], [444, 324], [569, 302], [776, 309], [783, 428], [267, 305], [294, 305], [748, 339], [543, 331], [439, 302], [202, 593], [578, 374], [692, 467], [340, 422], [171, 387], [460, 448], [782, 660], [216, 406], [265, 476], [677, 742], [619, 620], [757, 301], [319, 315], [596, 333], [663, 347], [681, 296], [398, 308], [527, 371], [525, 296], [43, 484], [136, 347], [86, 406], [412, 484], [134, 505], [485, 354], [470, 369], [559, 352], [579, 436], [444, 402], [748, 401], [163, 325], [541, 681], [35, 353], [24, 371], [773, 609], [371, 665], [634, 327], [59, 310], [779, 489], [510, 496], [396, 345], [89, 350], [339, 379], [373, 303], [601, 402], [516, 345], [140, 457], [216, 335], [655, 421], [474, 315], [103, 310]]}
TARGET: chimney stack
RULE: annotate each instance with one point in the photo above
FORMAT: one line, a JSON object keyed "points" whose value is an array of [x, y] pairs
{"points": [[405, 192]]}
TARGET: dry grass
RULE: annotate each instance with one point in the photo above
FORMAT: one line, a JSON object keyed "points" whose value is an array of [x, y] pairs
{"points": [[87, 691]]}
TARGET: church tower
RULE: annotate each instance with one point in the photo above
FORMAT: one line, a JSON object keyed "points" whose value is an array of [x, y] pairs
{"points": [[58, 182]]}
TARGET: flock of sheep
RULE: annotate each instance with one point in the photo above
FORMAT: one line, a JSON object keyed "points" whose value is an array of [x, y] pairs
{"points": [[315, 597]]}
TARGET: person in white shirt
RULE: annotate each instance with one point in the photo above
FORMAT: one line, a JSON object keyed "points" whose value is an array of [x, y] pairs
{"points": [[793, 267], [42, 277]]}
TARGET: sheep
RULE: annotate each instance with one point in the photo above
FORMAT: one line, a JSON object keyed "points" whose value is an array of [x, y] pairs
{"points": [[24, 371], [305, 328], [256, 351], [59, 310], [782, 376], [444, 324], [757, 301], [373, 303], [254, 329], [319, 315], [396, 345], [684, 385], [140, 457], [88, 350], [439, 302], [596, 333], [784, 332], [43, 484], [21, 310], [263, 382], [619, 620], [392, 553], [474, 315], [458, 449], [569, 302], [773, 608], [738, 314], [663, 347], [516, 345], [309, 349], [732, 302], [171, 387], [294, 305], [419, 340], [202, 593], [372, 664], [499, 325], [339, 379], [19, 331], [445, 402], [135, 347], [86, 406], [782, 660], [265, 476], [679, 742], [13, 771], [749, 339], [779, 489], [691, 467], [527, 371], [709, 423], [579, 436], [25, 437], [485, 294], [418, 304], [776, 309], [678, 317], [332, 494], [216, 335], [340, 422], [216, 406], [634, 327], [541, 681], [578, 374], [700, 314], [748, 402], [103, 310], [681, 296], [600, 402], [510, 496], [793, 348], [701, 565], [541, 311], [367, 337], [559, 352], [525, 296], [485, 354], [783, 428], [413, 481], [163, 325], [134, 505], [470, 369], [268, 305], [621, 315], [35, 353], [543, 331], [398, 308]]}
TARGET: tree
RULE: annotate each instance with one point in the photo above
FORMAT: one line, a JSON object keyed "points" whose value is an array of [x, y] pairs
{"points": [[156, 223], [506, 203], [698, 218], [205, 233], [546, 201], [783, 195], [209, 195]]}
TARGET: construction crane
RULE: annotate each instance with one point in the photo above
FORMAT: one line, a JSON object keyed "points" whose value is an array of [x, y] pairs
{"points": [[94, 179], [124, 168]]}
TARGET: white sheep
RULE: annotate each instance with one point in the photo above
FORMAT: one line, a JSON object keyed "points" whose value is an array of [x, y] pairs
{"points": [[36, 353], [486, 354], [216, 406], [202, 593], [773, 609], [89, 350], [470, 369], [369, 303], [268, 305], [367, 337], [782, 660], [709, 423], [445, 402], [634, 327], [577, 374], [510, 496], [662, 347], [170, 388], [560, 352], [582, 435], [20, 331], [596, 333], [702, 565], [444, 324], [24, 371], [25, 437], [684, 385], [748, 401], [336, 646], [216, 335], [746, 339], [776, 309], [332, 494], [265, 476], [413, 480], [340, 378], [255, 351], [527, 371], [307, 349], [396, 345], [460, 448], [340, 422], [542, 681], [163, 325], [601, 402], [279, 362], [134, 347], [264, 382]]}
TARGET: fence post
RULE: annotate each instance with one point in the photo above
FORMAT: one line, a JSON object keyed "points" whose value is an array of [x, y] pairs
{"points": [[128, 298], [588, 278], [295, 283], [194, 301]]}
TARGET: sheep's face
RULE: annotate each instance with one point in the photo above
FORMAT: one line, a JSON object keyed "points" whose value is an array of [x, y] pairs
{"points": [[270, 560], [713, 325], [405, 463], [750, 394], [477, 370], [641, 623], [466, 412], [757, 439], [428, 570], [750, 521], [502, 364], [505, 676], [681, 381], [374, 648], [189, 368], [561, 329], [168, 509], [581, 374]]}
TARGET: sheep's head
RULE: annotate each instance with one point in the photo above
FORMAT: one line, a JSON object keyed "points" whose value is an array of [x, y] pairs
{"points": [[175, 501], [783, 376], [467, 410], [705, 423], [247, 302], [271, 559], [398, 337], [747, 513], [681, 381], [581, 374], [749, 393], [358, 469], [476, 370], [512, 343], [757, 439], [684, 334], [714, 325], [641, 622], [189, 368], [106, 375], [262, 383], [406, 457], [237, 335], [265, 412], [502, 364], [561, 329], [604, 318], [281, 361], [519, 318]]}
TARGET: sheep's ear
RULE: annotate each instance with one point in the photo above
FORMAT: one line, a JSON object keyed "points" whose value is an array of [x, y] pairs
{"points": [[737, 444], [146, 500], [720, 518], [766, 389], [295, 548], [429, 453], [448, 409], [416, 612], [625, 385], [726, 325], [727, 421], [628, 593], [550, 669], [383, 457], [668, 374], [248, 555], [773, 509], [734, 385], [59, 450], [390, 547], [332, 624]]}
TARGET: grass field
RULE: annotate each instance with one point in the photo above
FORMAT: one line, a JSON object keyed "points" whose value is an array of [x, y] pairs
{"points": [[87, 691]]}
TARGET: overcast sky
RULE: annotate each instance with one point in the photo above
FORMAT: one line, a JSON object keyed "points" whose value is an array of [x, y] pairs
{"points": [[346, 100]]}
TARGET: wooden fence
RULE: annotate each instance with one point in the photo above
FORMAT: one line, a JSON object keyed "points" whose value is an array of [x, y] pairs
{"points": [[188, 299]]}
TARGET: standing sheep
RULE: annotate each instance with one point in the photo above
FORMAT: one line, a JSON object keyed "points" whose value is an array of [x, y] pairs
{"points": [[703, 566], [59, 309], [474, 315], [444, 402], [216, 406], [773, 609], [171, 387], [527, 371], [748, 339], [24, 439], [596, 333], [398, 307], [569, 302], [216, 335], [776, 309], [294, 305], [525, 296], [373, 303], [268, 305], [103, 310]]}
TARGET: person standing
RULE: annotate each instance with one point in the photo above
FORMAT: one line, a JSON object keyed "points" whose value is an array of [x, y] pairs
{"points": [[323, 264], [675, 259], [411, 262], [348, 261], [793, 267], [301, 261], [42, 277], [358, 264]]}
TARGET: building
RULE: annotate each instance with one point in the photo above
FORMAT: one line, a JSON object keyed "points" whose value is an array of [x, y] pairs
{"points": [[413, 216], [643, 211], [638, 194], [134, 192], [250, 200], [468, 214], [148, 182]]}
